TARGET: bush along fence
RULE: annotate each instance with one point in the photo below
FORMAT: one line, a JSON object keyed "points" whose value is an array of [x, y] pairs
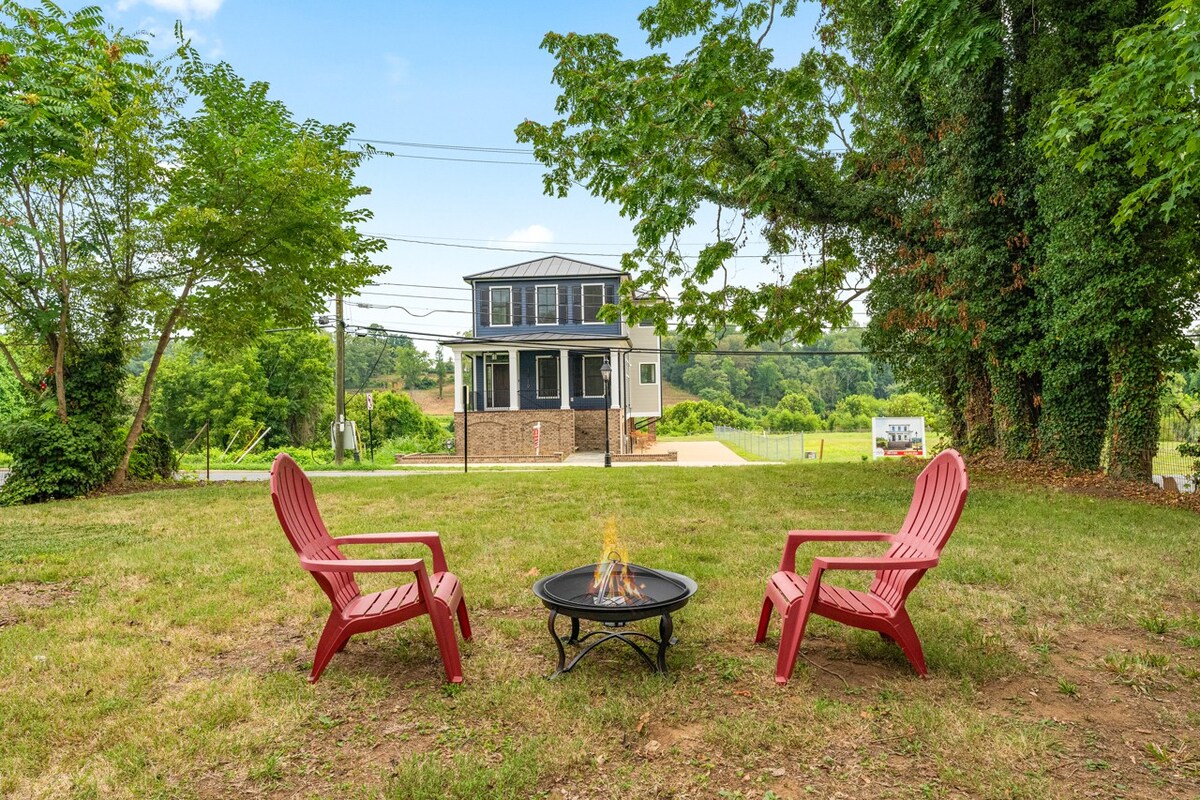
{"points": [[773, 446]]}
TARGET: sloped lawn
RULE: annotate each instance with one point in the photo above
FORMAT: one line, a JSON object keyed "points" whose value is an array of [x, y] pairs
{"points": [[156, 645]]}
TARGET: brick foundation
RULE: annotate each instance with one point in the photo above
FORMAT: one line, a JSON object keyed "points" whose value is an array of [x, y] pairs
{"points": [[450, 459], [510, 433]]}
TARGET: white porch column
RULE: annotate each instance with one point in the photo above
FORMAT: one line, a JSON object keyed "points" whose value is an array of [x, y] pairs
{"points": [[514, 380], [614, 361], [458, 381], [564, 379]]}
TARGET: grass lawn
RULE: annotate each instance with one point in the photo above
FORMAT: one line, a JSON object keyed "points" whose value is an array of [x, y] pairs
{"points": [[157, 645], [839, 446]]}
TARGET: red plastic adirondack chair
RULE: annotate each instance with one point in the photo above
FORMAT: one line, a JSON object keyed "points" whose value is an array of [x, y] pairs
{"points": [[937, 502], [439, 595]]}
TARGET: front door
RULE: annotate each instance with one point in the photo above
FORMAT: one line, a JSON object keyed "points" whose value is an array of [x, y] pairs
{"points": [[496, 375]]}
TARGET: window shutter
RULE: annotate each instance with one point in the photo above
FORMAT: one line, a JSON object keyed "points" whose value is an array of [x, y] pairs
{"points": [[562, 306], [610, 294], [576, 304], [576, 376], [530, 304], [483, 307]]}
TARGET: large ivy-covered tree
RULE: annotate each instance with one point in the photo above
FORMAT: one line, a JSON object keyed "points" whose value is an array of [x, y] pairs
{"points": [[141, 198], [994, 275]]}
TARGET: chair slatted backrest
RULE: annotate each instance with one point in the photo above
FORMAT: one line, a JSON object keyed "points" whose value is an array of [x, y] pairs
{"points": [[296, 508], [937, 502]]}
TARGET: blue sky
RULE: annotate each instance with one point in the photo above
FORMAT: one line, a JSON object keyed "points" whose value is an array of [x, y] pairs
{"points": [[462, 73]]}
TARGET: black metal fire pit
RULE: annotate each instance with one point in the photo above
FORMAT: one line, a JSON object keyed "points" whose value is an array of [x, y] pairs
{"points": [[655, 593]]}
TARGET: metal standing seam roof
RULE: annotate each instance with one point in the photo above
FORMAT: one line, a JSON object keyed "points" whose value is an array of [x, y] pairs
{"points": [[549, 267]]}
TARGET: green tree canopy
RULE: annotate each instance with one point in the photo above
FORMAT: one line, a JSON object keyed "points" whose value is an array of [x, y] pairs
{"points": [[140, 198]]}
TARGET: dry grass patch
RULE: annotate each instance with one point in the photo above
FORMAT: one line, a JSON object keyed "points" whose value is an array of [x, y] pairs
{"points": [[176, 631]]}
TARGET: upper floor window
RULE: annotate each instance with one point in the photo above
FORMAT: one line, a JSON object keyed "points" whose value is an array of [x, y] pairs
{"points": [[593, 298], [648, 373], [501, 304], [547, 305]]}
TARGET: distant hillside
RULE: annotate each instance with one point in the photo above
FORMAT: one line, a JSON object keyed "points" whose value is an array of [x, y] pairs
{"points": [[673, 394], [430, 403]]}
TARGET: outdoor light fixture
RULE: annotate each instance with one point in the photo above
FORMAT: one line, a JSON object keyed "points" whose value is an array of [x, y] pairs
{"points": [[606, 374]]}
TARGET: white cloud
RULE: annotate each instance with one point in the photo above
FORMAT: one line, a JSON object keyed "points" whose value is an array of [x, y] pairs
{"points": [[187, 9], [397, 69], [534, 234], [162, 39]]}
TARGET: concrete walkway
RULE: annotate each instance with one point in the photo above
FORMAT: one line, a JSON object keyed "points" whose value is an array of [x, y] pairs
{"points": [[691, 454]]}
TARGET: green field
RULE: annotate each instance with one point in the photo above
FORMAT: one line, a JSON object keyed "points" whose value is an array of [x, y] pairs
{"points": [[829, 446], [156, 645]]}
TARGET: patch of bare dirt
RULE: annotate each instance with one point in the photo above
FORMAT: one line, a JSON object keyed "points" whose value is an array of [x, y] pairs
{"points": [[16, 598]]}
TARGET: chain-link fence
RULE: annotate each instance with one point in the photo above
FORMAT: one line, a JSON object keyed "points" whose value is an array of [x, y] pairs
{"points": [[771, 446]]}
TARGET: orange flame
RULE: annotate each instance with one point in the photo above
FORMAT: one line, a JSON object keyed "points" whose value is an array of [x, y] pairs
{"points": [[611, 582]]}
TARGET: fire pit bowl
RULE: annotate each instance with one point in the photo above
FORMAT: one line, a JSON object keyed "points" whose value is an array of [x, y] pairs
{"points": [[653, 593]]}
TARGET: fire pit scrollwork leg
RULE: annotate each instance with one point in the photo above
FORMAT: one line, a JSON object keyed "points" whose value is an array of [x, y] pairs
{"points": [[562, 654], [665, 628]]}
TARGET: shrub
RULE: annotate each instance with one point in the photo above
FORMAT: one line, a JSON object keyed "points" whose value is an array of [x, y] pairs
{"points": [[698, 416], [153, 457], [53, 460], [910, 404]]}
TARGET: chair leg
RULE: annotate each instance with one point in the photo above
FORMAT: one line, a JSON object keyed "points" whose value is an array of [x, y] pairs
{"points": [[791, 633], [905, 635], [333, 639], [764, 619], [443, 631], [464, 622]]}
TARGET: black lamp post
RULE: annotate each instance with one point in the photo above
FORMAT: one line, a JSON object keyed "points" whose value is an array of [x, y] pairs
{"points": [[606, 374]]}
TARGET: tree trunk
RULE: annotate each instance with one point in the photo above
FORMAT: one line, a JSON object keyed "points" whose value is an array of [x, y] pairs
{"points": [[981, 425], [1074, 414], [139, 417], [1015, 410], [60, 371], [1137, 378]]}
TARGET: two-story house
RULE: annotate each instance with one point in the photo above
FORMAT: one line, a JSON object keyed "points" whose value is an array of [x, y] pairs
{"points": [[536, 361]]}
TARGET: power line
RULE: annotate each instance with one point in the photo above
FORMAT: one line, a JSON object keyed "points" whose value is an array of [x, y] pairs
{"points": [[430, 336], [411, 313], [417, 296], [521, 151], [421, 286], [536, 241], [438, 146], [464, 160], [410, 240]]}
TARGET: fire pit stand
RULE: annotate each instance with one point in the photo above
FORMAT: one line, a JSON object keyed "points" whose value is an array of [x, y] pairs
{"points": [[567, 594]]}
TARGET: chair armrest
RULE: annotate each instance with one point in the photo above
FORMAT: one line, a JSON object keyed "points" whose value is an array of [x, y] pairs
{"points": [[797, 538], [363, 565], [874, 564], [428, 538]]}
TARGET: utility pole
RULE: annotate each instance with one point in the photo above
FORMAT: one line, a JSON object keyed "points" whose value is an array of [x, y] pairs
{"points": [[339, 411]]}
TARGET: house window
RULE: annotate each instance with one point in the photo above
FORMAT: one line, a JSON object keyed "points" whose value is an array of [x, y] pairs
{"points": [[547, 305], [649, 373], [547, 377], [593, 380], [501, 300], [593, 298]]}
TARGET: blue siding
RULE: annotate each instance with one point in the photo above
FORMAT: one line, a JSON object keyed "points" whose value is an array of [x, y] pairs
{"points": [[528, 378], [570, 312]]}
